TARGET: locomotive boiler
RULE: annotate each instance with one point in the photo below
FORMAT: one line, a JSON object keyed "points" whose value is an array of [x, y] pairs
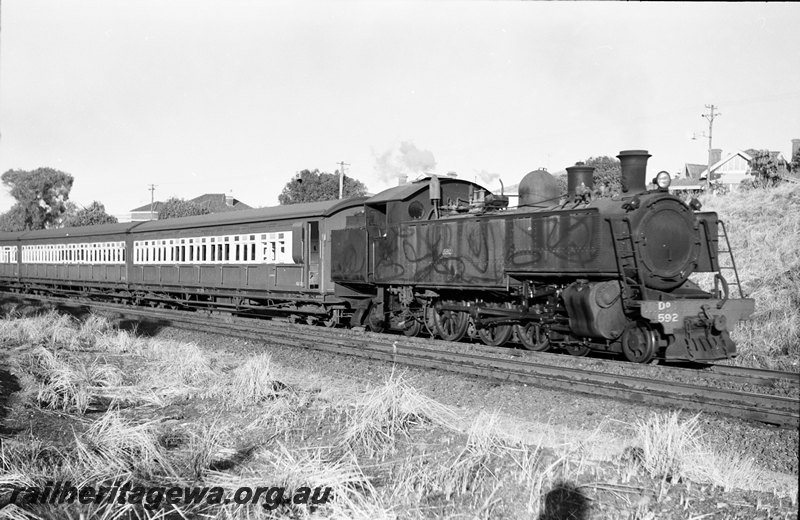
{"points": [[610, 274]]}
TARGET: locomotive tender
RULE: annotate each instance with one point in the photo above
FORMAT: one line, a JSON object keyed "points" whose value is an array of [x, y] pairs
{"points": [[443, 256]]}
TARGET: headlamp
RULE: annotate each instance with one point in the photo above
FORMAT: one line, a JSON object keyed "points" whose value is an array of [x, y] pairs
{"points": [[663, 180]]}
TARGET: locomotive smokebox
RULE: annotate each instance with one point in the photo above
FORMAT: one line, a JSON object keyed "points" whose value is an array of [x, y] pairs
{"points": [[577, 175], [633, 164]]}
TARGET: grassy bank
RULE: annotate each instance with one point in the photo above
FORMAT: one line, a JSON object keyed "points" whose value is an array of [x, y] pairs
{"points": [[764, 230], [103, 406]]}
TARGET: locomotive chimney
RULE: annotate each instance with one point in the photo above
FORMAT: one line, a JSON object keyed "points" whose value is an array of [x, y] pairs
{"points": [[577, 175], [633, 164]]}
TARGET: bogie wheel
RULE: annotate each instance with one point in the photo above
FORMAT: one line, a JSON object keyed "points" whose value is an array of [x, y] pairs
{"points": [[532, 337], [451, 325], [639, 344], [496, 335], [375, 320]]}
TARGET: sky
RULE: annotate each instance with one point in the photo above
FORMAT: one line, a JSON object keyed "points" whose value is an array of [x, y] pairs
{"points": [[213, 96]]}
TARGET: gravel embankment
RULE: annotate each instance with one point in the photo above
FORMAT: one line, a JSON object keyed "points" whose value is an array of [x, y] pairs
{"points": [[543, 415]]}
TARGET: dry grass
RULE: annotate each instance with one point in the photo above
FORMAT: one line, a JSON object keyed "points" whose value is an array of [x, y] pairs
{"points": [[489, 465], [51, 329], [265, 432], [672, 449], [70, 387], [14, 512], [115, 448], [25, 462], [55, 330], [667, 444], [177, 364], [763, 227], [253, 383], [207, 447], [389, 411], [352, 495], [121, 342]]}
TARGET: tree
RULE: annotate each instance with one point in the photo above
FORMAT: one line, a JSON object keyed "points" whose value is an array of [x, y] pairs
{"points": [[91, 215], [175, 207], [312, 186], [764, 169], [606, 176], [41, 198]]}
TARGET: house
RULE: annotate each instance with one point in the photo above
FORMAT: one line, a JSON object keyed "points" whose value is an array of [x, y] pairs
{"points": [[215, 202], [728, 171]]}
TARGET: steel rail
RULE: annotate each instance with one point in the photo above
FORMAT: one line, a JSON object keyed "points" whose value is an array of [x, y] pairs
{"points": [[776, 410]]}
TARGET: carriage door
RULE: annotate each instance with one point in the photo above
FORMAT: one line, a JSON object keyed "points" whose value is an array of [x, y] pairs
{"points": [[314, 257]]}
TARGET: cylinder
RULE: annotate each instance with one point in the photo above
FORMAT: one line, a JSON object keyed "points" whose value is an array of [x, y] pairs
{"points": [[633, 164], [577, 175]]}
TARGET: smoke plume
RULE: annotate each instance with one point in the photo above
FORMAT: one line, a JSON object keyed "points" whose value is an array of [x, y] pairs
{"points": [[486, 178], [406, 159]]}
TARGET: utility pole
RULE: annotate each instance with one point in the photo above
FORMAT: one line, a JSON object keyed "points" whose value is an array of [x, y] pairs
{"points": [[710, 116], [152, 199], [341, 164]]}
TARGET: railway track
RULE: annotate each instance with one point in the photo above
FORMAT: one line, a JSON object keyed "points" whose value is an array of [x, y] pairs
{"points": [[533, 368]]}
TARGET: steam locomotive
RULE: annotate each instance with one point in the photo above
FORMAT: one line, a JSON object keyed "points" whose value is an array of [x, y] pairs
{"points": [[439, 256], [606, 275]]}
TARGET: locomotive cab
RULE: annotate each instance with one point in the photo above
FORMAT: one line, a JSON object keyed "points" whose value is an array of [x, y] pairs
{"points": [[367, 235]]}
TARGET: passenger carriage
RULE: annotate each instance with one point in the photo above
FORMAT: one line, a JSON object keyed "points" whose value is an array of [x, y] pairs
{"points": [[269, 259]]}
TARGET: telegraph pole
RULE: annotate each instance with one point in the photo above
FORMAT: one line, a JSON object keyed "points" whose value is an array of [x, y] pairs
{"points": [[152, 199], [710, 116], [341, 164]]}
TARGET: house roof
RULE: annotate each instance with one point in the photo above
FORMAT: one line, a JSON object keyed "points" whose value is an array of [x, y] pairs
{"points": [[693, 171], [716, 165], [215, 202], [156, 206]]}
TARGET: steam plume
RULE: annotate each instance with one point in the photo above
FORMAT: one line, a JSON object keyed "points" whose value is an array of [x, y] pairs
{"points": [[406, 159]]}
